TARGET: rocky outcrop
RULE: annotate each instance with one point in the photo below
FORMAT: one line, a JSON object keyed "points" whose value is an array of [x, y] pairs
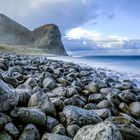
{"points": [[47, 37], [12, 33]]}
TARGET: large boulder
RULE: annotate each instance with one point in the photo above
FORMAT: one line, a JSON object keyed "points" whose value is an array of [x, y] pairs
{"points": [[29, 115], [126, 126], [101, 131], [79, 116], [134, 109], [25, 92], [42, 101], [8, 96]]}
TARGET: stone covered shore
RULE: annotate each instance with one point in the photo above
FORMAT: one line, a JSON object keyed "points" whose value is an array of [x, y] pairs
{"points": [[43, 99]]}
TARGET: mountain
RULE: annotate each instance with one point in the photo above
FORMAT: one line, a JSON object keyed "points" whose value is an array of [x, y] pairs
{"points": [[46, 37]]}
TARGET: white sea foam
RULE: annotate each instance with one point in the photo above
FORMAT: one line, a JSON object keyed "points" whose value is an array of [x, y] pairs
{"points": [[114, 70]]}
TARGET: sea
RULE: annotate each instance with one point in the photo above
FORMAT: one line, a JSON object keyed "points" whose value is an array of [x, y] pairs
{"points": [[127, 67]]}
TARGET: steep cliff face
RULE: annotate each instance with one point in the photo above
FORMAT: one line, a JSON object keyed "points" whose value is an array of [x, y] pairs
{"points": [[12, 33], [47, 37]]}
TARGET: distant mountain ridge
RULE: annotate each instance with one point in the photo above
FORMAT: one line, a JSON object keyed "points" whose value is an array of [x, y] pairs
{"points": [[47, 37]]}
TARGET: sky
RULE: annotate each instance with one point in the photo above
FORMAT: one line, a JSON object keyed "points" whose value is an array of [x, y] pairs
{"points": [[84, 24]]}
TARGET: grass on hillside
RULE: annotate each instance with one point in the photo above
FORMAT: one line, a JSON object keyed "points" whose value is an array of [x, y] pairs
{"points": [[23, 50]]}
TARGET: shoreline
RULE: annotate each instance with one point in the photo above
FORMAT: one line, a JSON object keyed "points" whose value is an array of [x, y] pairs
{"points": [[44, 98], [123, 74]]}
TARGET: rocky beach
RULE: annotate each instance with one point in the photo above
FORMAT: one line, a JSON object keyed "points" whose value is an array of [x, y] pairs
{"points": [[46, 99]]}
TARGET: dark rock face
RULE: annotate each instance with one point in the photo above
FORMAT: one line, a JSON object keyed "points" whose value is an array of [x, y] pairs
{"points": [[12, 33], [47, 37]]}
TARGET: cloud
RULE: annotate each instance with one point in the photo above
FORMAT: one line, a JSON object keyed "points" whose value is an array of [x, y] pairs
{"points": [[81, 33], [65, 13], [88, 34], [85, 39]]}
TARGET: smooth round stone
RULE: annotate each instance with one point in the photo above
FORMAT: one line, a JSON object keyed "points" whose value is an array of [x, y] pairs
{"points": [[103, 113], [134, 109], [11, 129], [124, 107], [72, 130], [109, 90], [58, 103], [90, 106], [127, 97], [95, 98], [24, 92], [125, 86], [105, 104], [59, 129], [8, 96], [92, 87], [108, 104], [75, 101], [86, 92], [29, 115], [42, 101]]}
